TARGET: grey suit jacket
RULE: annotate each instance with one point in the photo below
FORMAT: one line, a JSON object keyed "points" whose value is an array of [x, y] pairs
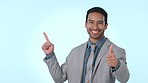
{"points": [[71, 70]]}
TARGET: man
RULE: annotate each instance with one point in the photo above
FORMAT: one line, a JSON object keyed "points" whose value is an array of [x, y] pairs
{"points": [[96, 61]]}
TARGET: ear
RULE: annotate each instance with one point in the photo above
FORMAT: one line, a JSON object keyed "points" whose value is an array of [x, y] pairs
{"points": [[106, 25], [85, 24]]}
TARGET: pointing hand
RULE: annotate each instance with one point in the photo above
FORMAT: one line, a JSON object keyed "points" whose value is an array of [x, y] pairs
{"points": [[47, 47]]}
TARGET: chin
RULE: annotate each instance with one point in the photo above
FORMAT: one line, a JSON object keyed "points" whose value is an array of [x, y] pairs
{"points": [[96, 37]]}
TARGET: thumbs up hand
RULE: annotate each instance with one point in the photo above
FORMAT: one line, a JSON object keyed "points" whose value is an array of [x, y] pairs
{"points": [[111, 58]]}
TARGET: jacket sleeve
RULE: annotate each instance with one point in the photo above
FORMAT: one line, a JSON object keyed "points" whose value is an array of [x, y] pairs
{"points": [[57, 72], [122, 73]]}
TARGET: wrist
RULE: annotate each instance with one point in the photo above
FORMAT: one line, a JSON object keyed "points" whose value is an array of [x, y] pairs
{"points": [[117, 66], [50, 55]]}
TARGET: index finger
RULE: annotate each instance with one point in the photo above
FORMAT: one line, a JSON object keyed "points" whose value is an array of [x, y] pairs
{"points": [[46, 37]]}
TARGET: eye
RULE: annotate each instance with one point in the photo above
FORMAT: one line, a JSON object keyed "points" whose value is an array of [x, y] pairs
{"points": [[91, 22], [100, 22]]}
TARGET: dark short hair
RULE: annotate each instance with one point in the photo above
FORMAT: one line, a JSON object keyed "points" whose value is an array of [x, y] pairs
{"points": [[99, 10]]}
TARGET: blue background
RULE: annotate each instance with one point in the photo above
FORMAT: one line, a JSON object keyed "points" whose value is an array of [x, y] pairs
{"points": [[22, 23]]}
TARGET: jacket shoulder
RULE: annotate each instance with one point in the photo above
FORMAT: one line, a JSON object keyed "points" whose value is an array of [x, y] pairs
{"points": [[79, 47]]}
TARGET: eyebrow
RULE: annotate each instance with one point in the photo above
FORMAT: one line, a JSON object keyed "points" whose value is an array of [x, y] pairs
{"points": [[101, 21], [98, 20], [90, 20]]}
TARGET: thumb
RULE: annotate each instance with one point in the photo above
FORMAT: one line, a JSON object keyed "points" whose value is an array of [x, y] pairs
{"points": [[111, 49]]}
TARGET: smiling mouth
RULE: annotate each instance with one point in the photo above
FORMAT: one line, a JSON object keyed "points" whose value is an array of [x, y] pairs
{"points": [[95, 31]]}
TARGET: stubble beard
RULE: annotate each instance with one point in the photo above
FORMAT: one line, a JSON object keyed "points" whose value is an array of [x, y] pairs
{"points": [[97, 36]]}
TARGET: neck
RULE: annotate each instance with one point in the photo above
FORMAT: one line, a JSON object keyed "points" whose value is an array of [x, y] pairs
{"points": [[93, 40]]}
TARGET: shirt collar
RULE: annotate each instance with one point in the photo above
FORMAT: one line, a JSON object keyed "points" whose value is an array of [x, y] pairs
{"points": [[99, 43]]}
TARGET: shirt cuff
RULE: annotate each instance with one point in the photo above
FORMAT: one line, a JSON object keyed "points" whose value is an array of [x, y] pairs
{"points": [[116, 68], [48, 56]]}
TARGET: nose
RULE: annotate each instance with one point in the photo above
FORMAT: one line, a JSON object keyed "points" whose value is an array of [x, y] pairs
{"points": [[95, 26]]}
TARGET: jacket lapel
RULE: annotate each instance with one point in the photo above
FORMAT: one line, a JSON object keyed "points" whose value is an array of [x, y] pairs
{"points": [[102, 52]]}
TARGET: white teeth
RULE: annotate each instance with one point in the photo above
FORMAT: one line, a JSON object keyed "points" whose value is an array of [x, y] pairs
{"points": [[94, 31]]}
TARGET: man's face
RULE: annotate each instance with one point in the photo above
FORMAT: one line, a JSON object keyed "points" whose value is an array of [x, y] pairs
{"points": [[95, 26]]}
